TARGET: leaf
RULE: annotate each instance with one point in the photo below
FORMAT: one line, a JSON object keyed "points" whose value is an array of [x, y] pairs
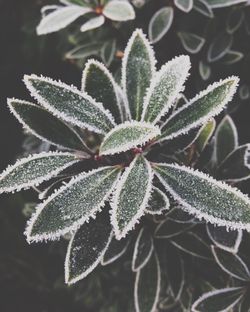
{"points": [[245, 303], [164, 88], [34, 169], [223, 3], [244, 92], [160, 23], [202, 7], [131, 196], [218, 300], [232, 57], [93, 23], [119, 11], [108, 52], [98, 82], [147, 286], [143, 249], [115, 250], [128, 135], [69, 207], [87, 247], [157, 202], [184, 5], [138, 68], [61, 18], [169, 228], [204, 197], [234, 20], [84, 51], [191, 42], [226, 139], [177, 214], [69, 104], [44, 125], [224, 239], [205, 70], [200, 109], [205, 134], [232, 264], [219, 47]]}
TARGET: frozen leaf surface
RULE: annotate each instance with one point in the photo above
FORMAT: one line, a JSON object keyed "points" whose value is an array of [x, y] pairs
{"points": [[191, 42], [184, 5], [93, 23], [115, 250], [158, 202], [205, 134], [119, 11]]}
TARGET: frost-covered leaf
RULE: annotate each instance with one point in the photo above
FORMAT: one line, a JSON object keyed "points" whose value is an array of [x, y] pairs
{"points": [[34, 169], [204, 70], [93, 23], [119, 11], [147, 286], [200, 109], [131, 196], [108, 52], [85, 50], [143, 249], [169, 228], [202, 7], [218, 300], [98, 82], [219, 47], [231, 264], [138, 68], [205, 134], [72, 205], [204, 197], [44, 125], [232, 57], [223, 3], [235, 19], [164, 88], [191, 42], [115, 250], [226, 240], [158, 202], [61, 18], [87, 247], [184, 5], [226, 139], [128, 135], [160, 23], [69, 104]]}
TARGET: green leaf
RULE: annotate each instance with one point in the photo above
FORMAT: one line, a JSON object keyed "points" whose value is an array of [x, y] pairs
{"points": [[160, 23], [119, 11], [72, 205], [205, 134], [232, 57], [202, 7], [177, 214], [205, 70], [157, 202], [131, 196], [115, 250], [234, 20], [147, 286], [69, 104], [204, 197], [219, 47], [200, 109], [169, 228], [232, 264], [143, 249], [164, 88], [84, 51], [108, 52], [128, 135], [138, 68], [184, 5], [223, 3], [191, 42], [98, 82], [218, 300], [93, 23], [34, 169], [87, 247], [44, 125], [244, 92]]}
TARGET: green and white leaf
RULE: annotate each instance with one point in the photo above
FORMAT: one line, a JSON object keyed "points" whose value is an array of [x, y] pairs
{"points": [[184, 5], [204, 70], [232, 57], [223, 3], [69, 104], [205, 135], [87, 247], [128, 135], [34, 169], [235, 19], [244, 92], [119, 11], [200, 109], [108, 52], [165, 88], [131, 196], [93, 23], [169, 228], [84, 51], [191, 42], [160, 23], [158, 202], [205, 197], [72, 205], [202, 7], [138, 68], [219, 47]]}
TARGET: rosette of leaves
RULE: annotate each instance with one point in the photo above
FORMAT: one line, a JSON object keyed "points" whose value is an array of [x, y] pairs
{"points": [[116, 180]]}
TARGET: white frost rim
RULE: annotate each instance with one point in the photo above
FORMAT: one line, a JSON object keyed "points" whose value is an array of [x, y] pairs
{"points": [[166, 200]]}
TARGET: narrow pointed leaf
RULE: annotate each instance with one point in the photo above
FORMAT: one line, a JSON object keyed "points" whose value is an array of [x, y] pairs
{"points": [[177, 214], [84, 51], [128, 135], [98, 82], [165, 88], [119, 11], [147, 286], [232, 57], [184, 5], [170, 228], [191, 42], [69, 104], [131, 196], [138, 68], [34, 169], [219, 47], [204, 197], [108, 52], [87, 247], [72, 205], [205, 134], [223, 3], [143, 249], [205, 70], [157, 202], [200, 109], [44, 125], [93, 23], [115, 250], [202, 7], [61, 18]]}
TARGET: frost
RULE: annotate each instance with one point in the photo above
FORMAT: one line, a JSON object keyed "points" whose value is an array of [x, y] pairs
{"points": [[191, 42], [170, 228], [93, 23], [184, 5], [157, 202], [119, 11]]}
